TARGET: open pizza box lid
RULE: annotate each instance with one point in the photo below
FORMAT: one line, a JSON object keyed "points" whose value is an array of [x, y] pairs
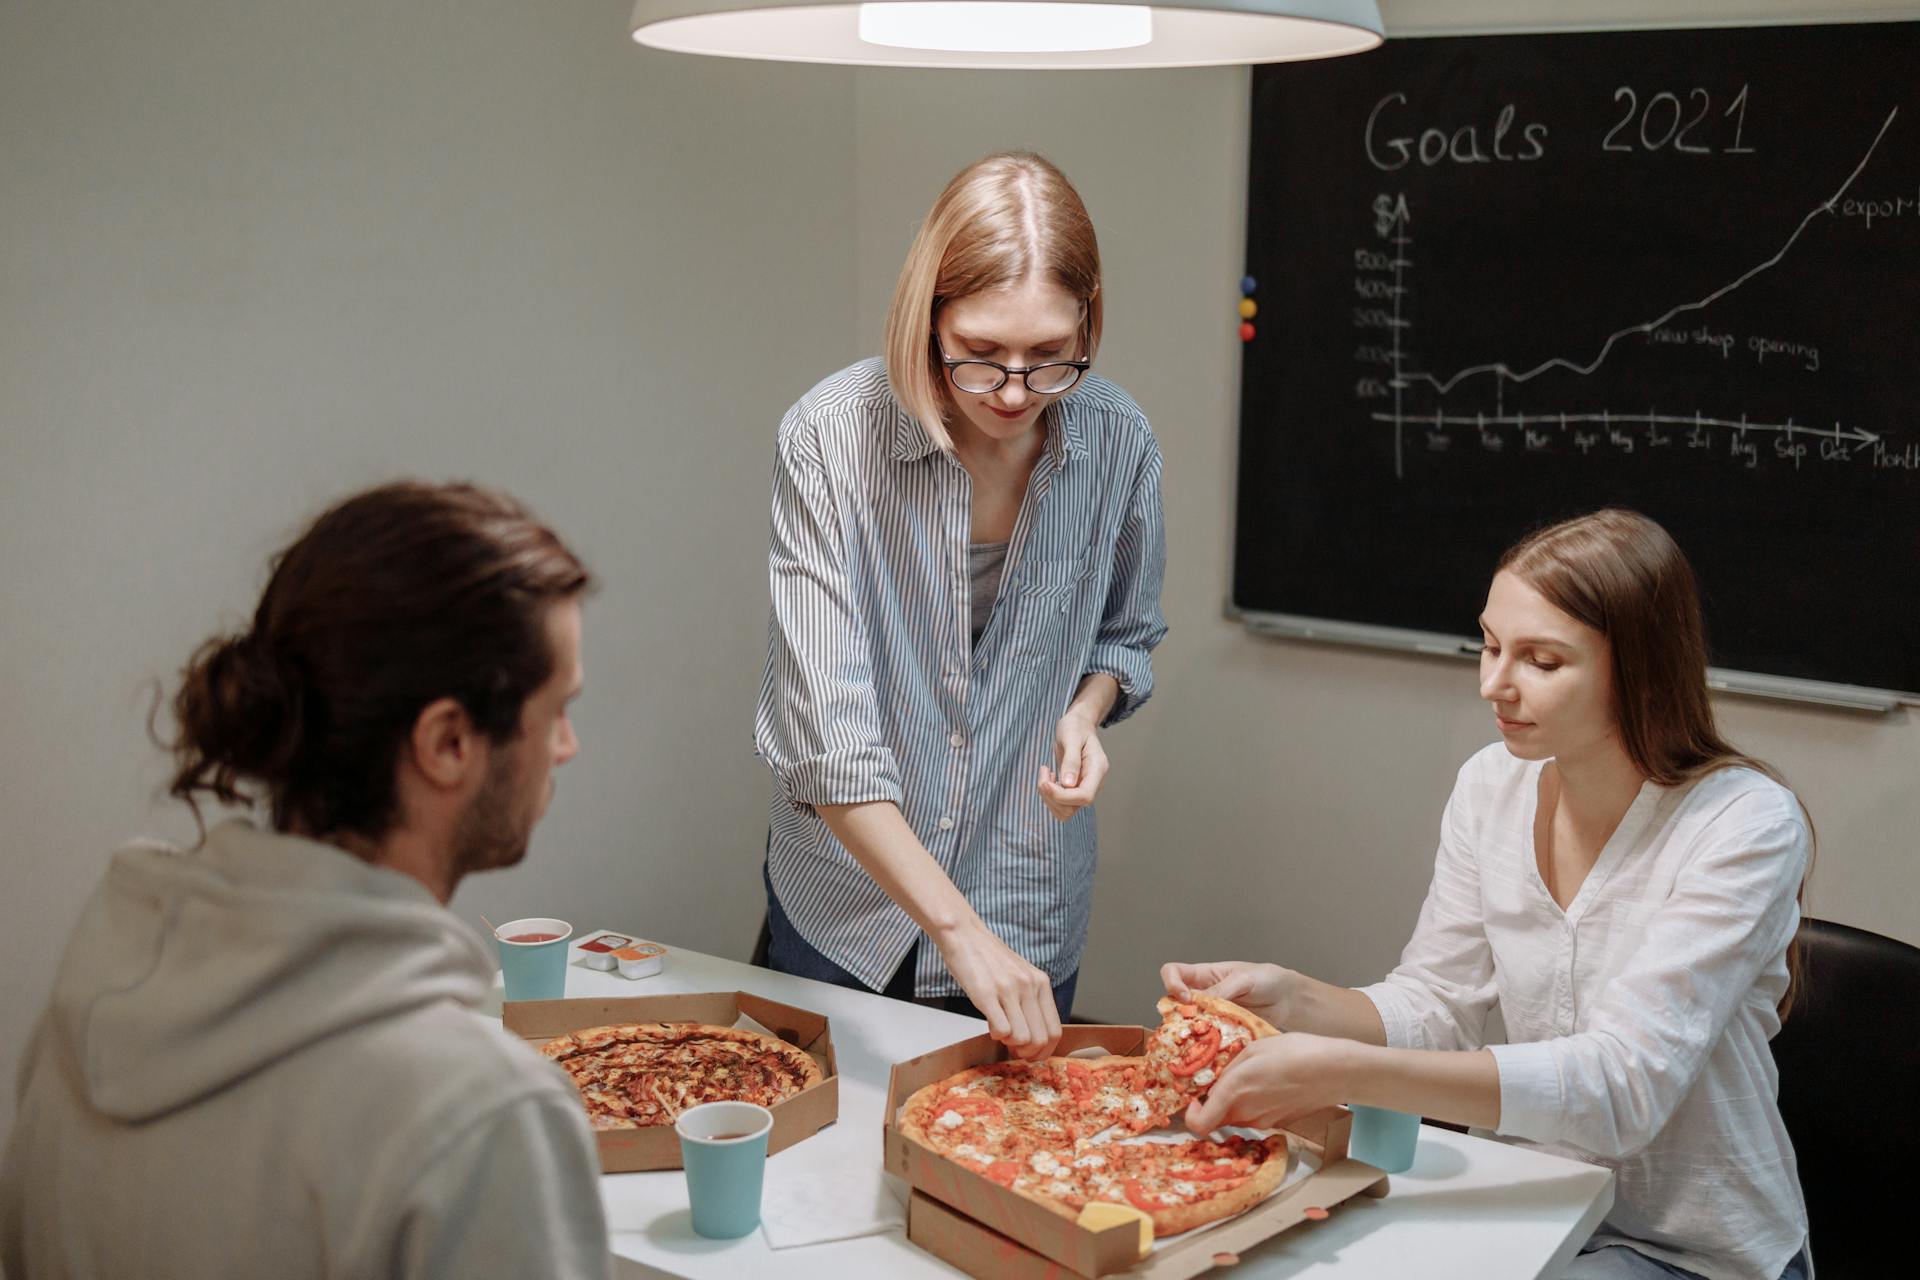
{"points": [[986, 1229], [658, 1146]]}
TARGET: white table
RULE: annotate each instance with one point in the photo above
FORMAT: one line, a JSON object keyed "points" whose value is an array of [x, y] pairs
{"points": [[1469, 1208]]}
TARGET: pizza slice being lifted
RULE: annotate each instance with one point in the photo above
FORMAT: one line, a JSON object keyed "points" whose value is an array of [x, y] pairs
{"points": [[1195, 1040]]}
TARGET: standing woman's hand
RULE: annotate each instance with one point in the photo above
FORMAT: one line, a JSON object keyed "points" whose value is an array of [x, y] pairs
{"points": [[1080, 765], [1015, 997]]}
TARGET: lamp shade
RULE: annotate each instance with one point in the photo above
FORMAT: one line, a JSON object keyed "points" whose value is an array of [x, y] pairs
{"points": [[1031, 34]]}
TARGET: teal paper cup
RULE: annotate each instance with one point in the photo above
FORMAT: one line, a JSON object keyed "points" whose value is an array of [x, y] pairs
{"points": [[724, 1148], [533, 957], [1384, 1139]]}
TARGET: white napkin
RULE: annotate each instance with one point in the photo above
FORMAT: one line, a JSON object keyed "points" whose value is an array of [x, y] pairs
{"points": [[837, 1204], [831, 1186]]}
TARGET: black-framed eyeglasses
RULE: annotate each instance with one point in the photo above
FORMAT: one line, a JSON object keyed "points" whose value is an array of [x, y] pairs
{"points": [[978, 377]]}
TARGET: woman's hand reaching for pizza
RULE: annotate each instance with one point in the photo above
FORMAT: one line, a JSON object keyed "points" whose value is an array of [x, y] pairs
{"points": [[1015, 998], [1273, 1081], [1257, 988]]}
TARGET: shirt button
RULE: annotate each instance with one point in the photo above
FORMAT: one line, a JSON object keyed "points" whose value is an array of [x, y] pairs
{"points": [[946, 824], [957, 740]]}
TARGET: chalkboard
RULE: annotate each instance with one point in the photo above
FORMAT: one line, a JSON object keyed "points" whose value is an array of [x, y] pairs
{"points": [[1501, 280]]}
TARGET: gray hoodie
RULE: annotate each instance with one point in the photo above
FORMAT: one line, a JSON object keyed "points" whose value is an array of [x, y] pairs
{"points": [[261, 1059]]}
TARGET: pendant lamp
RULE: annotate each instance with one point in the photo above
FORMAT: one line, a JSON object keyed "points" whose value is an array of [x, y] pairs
{"points": [[1037, 35]]}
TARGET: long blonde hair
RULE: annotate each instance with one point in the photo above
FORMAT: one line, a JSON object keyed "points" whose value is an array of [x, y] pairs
{"points": [[1623, 575], [1000, 221]]}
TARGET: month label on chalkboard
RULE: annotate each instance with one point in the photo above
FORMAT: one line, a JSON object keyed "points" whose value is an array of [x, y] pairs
{"points": [[1507, 279]]}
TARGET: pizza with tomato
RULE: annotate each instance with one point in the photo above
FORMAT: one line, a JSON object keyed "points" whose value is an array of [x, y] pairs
{"points": [[1069, 1131]]}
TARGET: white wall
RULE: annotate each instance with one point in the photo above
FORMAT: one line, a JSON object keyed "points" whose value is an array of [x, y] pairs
{"points": [[253, 255]]}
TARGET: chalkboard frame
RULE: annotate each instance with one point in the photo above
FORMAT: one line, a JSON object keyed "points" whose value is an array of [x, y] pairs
{"points": [[1370, 634]]}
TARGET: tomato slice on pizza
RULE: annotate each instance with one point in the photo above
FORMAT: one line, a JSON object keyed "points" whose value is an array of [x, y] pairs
{"points": [[1194, 1042]]}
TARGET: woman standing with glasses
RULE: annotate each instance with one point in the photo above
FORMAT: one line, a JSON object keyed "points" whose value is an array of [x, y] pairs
{"points": [[965, 569]]}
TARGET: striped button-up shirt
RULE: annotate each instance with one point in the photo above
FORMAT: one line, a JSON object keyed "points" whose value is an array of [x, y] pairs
{"points": [[874, 690]]}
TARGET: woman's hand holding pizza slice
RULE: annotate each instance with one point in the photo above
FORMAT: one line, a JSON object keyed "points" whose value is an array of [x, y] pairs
{"points": [[1257, 988], [1276, 1080]]}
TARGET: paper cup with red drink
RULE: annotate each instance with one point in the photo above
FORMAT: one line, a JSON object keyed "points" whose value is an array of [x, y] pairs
{"points": [[533, 957]]}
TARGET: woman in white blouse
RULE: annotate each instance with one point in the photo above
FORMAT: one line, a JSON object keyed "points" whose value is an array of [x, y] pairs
{"points": [[1622, 887]]}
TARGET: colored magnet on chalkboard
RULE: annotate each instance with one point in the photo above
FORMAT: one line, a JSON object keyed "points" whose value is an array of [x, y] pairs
{"points": [[1248, 284], [1246, 333], [1248, 308]]}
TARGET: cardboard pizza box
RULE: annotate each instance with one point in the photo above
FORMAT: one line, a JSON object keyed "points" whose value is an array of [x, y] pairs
{"points": [[987, 1230], [658, 1146]]}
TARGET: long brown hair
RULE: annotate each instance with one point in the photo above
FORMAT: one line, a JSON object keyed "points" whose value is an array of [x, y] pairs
{"points": [[391, 600], [1623, 575], [1000, 220]]}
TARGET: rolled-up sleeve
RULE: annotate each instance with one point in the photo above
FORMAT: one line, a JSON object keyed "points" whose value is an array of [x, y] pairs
{"points": [[818, 722], [1439, 995], [1611, 1087], [1131, 624]]}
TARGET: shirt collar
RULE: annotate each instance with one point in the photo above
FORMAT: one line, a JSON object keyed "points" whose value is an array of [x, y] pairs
{"points": [[910, 439], [1067, 438]]}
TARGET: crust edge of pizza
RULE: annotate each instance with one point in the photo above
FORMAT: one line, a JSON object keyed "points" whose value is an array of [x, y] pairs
{"points": [[1178, 1219]]}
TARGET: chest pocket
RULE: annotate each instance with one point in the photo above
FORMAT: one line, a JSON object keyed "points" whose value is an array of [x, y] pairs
{"points": [[1043, 595]]}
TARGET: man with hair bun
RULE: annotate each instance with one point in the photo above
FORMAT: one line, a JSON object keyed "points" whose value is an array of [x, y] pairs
{"points": [[261, 1055]]}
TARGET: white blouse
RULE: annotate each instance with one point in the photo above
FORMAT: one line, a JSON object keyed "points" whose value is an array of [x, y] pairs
{"points": [[1637, 1019]]}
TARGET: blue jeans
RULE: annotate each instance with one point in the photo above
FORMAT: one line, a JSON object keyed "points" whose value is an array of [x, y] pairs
{"points": [[1618, 1262], [788, 952]]}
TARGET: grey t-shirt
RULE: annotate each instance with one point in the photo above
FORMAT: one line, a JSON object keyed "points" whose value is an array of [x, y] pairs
{"points": [[985, 561]]}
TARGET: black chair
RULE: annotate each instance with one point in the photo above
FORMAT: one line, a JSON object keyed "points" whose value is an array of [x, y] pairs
{"points": [[1849, 1059]]}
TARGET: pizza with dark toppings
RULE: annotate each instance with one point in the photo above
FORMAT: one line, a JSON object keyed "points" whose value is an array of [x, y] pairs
{"points": [[639, 1074]]}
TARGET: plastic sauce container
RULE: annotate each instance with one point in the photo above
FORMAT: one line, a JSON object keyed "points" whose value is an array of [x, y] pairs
{"points": [[597, 951], [641, 959]]}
